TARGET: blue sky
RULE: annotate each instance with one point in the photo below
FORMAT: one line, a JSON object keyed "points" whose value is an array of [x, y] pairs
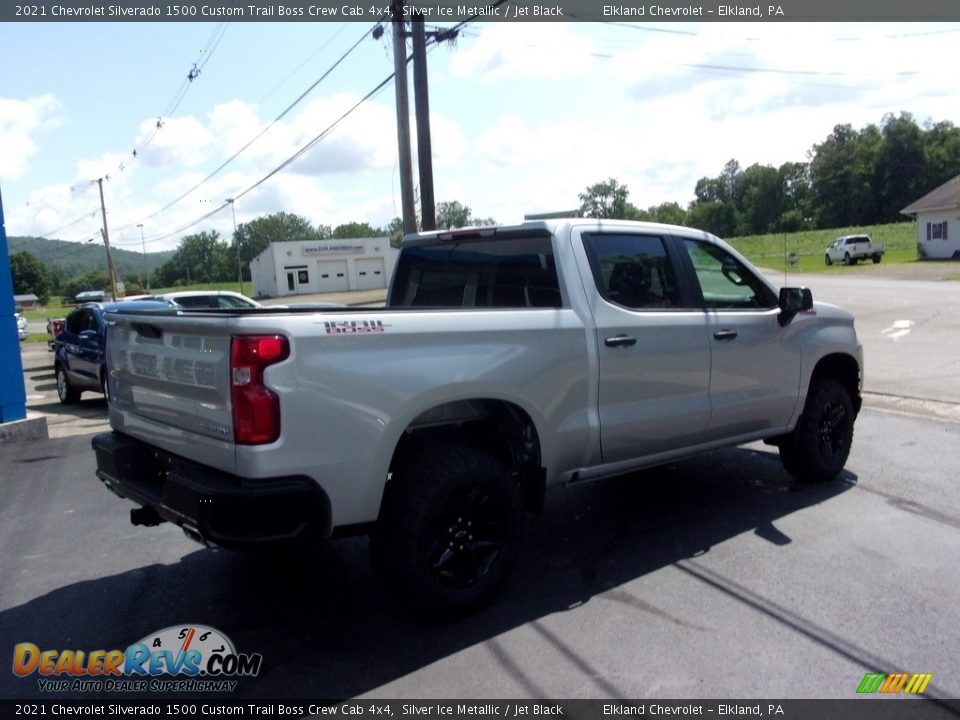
{"points": [[524, 115]]}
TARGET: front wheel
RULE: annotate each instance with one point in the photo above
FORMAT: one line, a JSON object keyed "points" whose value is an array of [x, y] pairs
{"points": [[449, 531], [847, 260], [876, 259], [819, 447], [827, 260]]}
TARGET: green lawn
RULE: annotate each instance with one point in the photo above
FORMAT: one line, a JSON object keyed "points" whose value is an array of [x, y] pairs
{"points": [[771, 251]]}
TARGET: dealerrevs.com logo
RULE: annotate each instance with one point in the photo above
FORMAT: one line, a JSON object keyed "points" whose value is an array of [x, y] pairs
{"points": [[894, 683], [180, 658]]}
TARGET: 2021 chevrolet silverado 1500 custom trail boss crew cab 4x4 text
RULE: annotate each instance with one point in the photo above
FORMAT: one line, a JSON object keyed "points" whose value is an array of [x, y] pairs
{"points": [[507, 360]]}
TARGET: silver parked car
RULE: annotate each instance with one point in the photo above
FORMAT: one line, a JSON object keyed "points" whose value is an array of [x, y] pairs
{"points": [[23, 327]]}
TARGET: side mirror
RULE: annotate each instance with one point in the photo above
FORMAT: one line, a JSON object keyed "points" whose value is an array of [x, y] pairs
{"points": [[792, 301]]}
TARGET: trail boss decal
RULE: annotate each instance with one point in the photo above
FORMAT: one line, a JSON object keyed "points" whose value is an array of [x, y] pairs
{"points": [[354, 327]]}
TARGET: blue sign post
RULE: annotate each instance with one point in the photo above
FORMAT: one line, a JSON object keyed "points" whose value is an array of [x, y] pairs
{"points": [[13, 397]]}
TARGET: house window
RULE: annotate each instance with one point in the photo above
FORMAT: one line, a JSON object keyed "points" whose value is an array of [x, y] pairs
{"points": [[937, 231]]}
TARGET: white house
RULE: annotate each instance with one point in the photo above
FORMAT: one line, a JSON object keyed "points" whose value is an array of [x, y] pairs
{"points": [[938, 221], [322, 266]]}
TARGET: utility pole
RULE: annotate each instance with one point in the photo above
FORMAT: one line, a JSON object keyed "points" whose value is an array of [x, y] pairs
{"points": [[106, 243], [403, 119], [237, 241], [146, 270], [428, 213]]}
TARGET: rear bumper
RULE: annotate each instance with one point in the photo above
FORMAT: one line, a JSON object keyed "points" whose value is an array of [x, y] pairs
{"points": [[221, 508]]}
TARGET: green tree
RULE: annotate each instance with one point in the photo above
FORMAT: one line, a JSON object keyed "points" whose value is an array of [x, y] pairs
{"points": [[200, 258], [354, 230], [941, 143], [92, 280], [453, 214], [797, 210], [256, 235], [669, 212], [842, 177], [607, 199], [761, 200], [900, 166], [719, 218], [29, 275], [394, 231]]}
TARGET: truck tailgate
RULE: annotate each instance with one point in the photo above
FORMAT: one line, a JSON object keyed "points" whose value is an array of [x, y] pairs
{"points": [[169, 383]]}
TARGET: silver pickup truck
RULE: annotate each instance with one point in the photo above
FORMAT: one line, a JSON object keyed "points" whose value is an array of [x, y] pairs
{"points": [[507, 360], [850, 249]]}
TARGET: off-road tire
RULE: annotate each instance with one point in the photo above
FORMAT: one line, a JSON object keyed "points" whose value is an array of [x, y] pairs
{"points": [[819, 447], [449, 530]]}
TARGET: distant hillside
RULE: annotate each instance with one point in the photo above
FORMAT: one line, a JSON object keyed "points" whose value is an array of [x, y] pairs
{"points": [[75, 259]]}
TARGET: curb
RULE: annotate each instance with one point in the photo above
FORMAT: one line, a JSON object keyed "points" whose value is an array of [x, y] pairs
{"points": [[33, 427]]}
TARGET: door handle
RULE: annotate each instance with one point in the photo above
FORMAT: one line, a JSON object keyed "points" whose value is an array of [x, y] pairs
{"points": [[620, 341], [725, 335]]}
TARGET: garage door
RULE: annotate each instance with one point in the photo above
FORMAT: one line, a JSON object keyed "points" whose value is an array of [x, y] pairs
{"points": [[370, 274], [332, 276]]}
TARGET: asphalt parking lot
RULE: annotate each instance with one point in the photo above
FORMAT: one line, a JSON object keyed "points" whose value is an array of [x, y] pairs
{"points": [[715, 577]]}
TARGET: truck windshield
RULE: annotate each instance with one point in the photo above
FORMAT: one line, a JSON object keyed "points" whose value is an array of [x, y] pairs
{"points": [[504, 273]]}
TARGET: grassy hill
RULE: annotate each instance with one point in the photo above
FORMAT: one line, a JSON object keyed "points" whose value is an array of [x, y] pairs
{"points": [[771, 250], [75, 259]]}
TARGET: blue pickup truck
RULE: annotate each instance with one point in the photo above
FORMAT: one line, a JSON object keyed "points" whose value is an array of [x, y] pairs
{"points": [[79, 359]]}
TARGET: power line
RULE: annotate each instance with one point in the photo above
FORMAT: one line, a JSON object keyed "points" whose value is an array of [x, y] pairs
{"points": [[316, 52], [90, 214], [254, 139], [186, 83], [435, 40], [282, 165]]}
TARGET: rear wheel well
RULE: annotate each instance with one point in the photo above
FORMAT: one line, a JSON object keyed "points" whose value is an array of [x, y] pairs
{"points": [[500, 428]]}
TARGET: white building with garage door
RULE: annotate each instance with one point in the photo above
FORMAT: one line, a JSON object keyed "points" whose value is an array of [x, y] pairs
{"points": [[322, 266]]}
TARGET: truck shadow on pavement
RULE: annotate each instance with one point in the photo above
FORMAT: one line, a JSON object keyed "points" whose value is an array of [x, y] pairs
{"points": [[326, 629]]}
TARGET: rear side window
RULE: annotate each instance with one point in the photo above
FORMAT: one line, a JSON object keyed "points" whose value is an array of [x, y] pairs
{"points": [[231, 303], [76, 323], [632, 271], [512, 273], [195, 301], [80, 320]]}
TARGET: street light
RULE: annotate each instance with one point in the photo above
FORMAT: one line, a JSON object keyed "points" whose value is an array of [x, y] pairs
{"points": [[237, 241], [146, 270]]}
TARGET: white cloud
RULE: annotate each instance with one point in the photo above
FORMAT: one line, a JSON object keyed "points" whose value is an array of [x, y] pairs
{"points": [[20, 121], [179, 142], [525, 50]]}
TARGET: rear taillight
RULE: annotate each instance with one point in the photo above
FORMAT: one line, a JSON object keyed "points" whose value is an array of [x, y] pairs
{"points": [[256, 409]]}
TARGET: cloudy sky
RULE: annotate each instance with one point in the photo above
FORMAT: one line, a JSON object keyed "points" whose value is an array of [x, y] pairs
{"points": [[524, 116]]}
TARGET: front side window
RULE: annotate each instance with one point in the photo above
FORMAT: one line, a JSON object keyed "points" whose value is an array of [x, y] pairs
{"points": [[726, 283], [632, 271]]}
